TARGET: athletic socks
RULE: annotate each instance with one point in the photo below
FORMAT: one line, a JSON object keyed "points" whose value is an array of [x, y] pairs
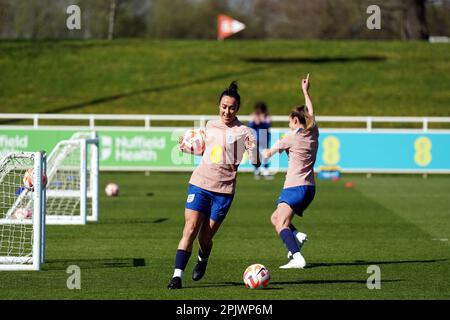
{"points": [[288, 238], [178, 273], [181, 261]]}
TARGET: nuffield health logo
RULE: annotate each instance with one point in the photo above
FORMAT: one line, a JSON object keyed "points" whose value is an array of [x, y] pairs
{"points": [[138, 148], [131, 148], [13, 143]]}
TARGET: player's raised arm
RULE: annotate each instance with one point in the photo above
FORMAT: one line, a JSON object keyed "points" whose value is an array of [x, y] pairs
{"points": [[308, 101]]}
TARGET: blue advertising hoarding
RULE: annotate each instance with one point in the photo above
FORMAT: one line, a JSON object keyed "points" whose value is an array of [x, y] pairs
{"points": [[377, 151]]}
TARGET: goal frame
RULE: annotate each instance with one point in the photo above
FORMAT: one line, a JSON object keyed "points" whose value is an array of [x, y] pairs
{"points": [[93, 190], [34, 263], [84, 193]]}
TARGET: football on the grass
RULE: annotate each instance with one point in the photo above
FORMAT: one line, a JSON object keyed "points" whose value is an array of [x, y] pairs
{"points": [[256, 276], [112, 190]]}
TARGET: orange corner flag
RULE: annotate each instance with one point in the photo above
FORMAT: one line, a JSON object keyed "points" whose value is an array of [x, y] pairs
{"points": [[227, 26]]}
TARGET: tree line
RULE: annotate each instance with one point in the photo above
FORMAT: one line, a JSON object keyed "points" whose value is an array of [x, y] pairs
{"points": [[196, 19]]}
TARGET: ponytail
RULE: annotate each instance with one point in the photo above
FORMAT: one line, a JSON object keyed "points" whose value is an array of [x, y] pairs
{"points": [[303, 117]]}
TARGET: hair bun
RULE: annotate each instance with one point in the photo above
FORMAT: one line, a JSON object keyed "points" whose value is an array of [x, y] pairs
{"points": [[233, 86], [231, 91]]}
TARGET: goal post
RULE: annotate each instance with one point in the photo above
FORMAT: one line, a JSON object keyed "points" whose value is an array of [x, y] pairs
{"points": [[92, 171], [22, 212], [72, 191], [66, 189]]}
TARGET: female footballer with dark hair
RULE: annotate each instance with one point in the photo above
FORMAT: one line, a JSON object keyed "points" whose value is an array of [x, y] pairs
{"points": [[212, 184], [301, 144]]}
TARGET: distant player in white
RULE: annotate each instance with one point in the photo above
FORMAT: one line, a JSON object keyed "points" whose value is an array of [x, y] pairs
{"points": [[301, 145]]}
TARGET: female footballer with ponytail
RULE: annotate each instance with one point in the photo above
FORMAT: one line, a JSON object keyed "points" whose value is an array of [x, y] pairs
{"points": [[301, 145]]}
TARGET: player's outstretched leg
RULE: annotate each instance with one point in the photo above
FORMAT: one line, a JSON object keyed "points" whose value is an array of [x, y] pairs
{"points": [[300, 237], [193, 221], [205, 236], [181, 260], [200, 267], [281, 219]]}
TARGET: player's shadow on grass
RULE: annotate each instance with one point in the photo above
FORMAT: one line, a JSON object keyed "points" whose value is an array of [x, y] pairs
{"points": [[224, 284], [62, 264], [290, 60], [325, 282], [284, 283], [135, 221], [362, 262]]}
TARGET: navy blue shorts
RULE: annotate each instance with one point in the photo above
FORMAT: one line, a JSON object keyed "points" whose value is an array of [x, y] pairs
{"points": [[212, 204], [298, 198]]}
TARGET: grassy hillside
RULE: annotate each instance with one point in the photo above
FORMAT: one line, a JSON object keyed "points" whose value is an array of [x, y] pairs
{"points": [[185, 77]]}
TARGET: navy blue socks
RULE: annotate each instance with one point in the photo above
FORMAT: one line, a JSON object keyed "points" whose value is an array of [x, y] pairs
{"points": [[288, 238], [181, 261]]}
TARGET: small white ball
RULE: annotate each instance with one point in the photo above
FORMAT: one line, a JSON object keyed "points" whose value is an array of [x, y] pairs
{"points": [[112, 190]]}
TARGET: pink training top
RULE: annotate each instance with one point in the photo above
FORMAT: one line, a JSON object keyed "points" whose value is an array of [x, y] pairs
{"points": [[301, 147], [225, 147]]}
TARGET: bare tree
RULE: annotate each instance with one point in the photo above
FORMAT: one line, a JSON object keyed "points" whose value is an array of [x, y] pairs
{"points": [[416, 26], [112, 14], [412, 18]]}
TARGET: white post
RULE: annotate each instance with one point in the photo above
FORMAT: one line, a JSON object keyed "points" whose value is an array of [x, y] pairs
{"points": [[92, 121], [202, 122], [369, 124], [425, 124], [36, 120], [83, 182], [37, 211], [94, 177], [43, 202]]}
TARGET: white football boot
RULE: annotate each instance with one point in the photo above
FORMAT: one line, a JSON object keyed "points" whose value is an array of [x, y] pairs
{"points": [[256, 174], [266, 174], [297, 262], [301, 239]]}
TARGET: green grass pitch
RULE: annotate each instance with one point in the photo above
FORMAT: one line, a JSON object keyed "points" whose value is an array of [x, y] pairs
{"points": [[398, 223]]}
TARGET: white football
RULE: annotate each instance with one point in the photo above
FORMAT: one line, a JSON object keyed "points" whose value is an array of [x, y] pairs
{"points": [[112, 190], [256, 276], [22, 213], [195, 140]]}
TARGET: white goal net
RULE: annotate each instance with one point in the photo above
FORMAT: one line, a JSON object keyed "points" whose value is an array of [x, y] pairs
{"points": [[22, 211], [72, 190]]}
